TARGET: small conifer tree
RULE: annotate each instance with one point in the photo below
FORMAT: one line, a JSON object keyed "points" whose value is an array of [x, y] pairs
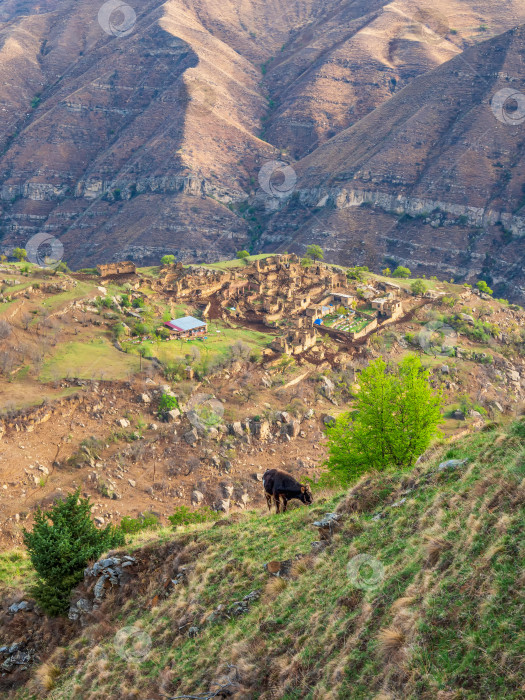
{"points": [[63, 541]]}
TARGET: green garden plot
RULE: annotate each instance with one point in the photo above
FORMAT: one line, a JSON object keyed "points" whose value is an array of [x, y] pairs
{"points": [[359, 324], [349, 324]]}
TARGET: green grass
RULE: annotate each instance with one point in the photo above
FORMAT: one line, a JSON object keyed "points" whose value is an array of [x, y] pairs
{"points": [[405, 283], [79, 292], [457, 604], [216, 345], [97, 359], [16, 571], [227, 264]]}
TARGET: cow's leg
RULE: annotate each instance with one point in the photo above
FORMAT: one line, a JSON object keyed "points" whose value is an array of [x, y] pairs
{"points": [[277, 502], [269, 501], [285, 503]]}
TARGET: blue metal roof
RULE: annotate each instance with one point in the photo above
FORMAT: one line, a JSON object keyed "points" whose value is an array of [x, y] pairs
{"points": [[187, 323]]}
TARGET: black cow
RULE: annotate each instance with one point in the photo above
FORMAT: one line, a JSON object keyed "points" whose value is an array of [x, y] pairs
{"points": [[281, 485]]}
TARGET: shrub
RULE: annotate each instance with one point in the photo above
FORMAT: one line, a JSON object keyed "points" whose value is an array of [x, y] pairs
{"points": [[5, 330], [118, 330], [162, 333], [63, 541], [140, 328], [20, 254], [418, 288], [131, 526], [484, 287], [167, 259], [166, 404], [184, 516]]}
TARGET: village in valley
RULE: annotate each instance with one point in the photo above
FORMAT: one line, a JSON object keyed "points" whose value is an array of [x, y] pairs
{"points": [[297, 303]]}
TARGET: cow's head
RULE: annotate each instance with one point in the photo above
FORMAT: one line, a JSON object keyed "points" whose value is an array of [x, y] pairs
{"points": [[306, 495]]}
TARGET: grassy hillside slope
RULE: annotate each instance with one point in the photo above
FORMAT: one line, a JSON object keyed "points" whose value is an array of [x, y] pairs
{"points": [[436, 614]]}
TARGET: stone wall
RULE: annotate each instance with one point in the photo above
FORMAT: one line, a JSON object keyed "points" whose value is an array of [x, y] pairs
{"points": [[119, 268]]}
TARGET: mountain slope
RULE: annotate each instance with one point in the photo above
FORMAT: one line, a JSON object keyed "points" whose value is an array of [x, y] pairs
{"points": [[137, 145], [444, 144], [415, 594]]}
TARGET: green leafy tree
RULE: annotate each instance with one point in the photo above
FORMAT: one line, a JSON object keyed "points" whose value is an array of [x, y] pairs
{"points": [[386, 272], [315, 252], [20, 254], [396, 416], [63, 541], [418, 288], [484, 287], [242, 254], [401, 272], [167, 259], [306, 262], [357, 273]]}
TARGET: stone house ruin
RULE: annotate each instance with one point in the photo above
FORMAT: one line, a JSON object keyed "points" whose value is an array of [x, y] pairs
{"points": [[116, 269], [295, 342], [388, 306]]}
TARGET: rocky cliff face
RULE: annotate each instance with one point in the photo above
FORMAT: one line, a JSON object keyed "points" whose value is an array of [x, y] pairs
{"points": [[434, 178], [142, 131]]}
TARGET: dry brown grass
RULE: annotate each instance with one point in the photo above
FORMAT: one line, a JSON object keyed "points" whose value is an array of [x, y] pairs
{"points": [[403, 603], [102, 630], [434, 547], [46, 676], [391, 641], [302, 566], [274, 588]]}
